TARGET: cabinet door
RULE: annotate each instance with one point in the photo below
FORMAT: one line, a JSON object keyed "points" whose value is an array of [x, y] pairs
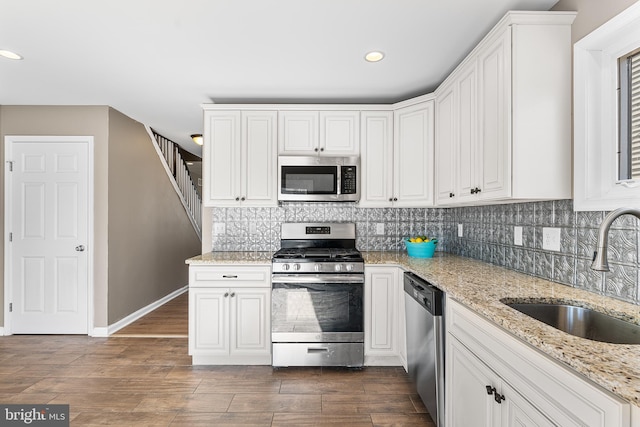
{"points": [[413, 156], [208, 321], [467, 401], [222, 156], [517, 411], [298, 132], [339, 133], [381, 311], [259, 178], [467, 163], [250, 326], [446, 144], [376, 149], [495, 114]]}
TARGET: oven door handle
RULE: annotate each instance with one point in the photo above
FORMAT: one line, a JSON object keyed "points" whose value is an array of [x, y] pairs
{"points": [[317, 278]]}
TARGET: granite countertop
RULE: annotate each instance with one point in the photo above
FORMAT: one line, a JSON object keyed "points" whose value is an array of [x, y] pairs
{"points": [[246, 257], [480, 286]]}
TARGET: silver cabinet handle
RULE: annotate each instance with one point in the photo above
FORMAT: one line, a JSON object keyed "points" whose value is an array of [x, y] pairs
{"points": [[226, 294], [233, 294], [80, 248], [229, 276]]}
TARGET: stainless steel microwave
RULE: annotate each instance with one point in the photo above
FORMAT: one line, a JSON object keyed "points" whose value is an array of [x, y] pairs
{"points": [[318, 179]]}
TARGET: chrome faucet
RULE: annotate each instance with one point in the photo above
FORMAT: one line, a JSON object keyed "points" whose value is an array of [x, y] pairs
{"points": [[600, 255]]}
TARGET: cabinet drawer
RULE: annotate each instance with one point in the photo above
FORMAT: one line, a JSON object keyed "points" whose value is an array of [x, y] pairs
{"points": [[236, 276], [559, 393]]}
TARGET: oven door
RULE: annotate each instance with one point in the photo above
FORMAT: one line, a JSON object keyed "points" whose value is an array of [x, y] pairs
{"points": [[317, 308]]}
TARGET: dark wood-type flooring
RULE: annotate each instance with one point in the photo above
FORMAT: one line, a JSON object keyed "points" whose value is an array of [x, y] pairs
{"points": [[140, 381]]}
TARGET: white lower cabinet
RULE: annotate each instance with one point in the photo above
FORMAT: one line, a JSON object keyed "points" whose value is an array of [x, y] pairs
{"points": [[494, 379], [384, 317], [488, 401], [229, 315]]}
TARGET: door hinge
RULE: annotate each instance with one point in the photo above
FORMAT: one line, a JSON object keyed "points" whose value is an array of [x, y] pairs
{"points": [[10, 165], [10, 307]]}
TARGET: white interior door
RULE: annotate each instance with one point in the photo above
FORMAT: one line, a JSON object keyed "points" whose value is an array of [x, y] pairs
{"points": [[47, 206]]}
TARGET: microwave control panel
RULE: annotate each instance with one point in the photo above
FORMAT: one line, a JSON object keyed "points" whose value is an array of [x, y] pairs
{"points": [[349, 180]]}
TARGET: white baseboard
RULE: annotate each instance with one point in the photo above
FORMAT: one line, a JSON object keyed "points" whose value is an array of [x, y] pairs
{"points": [[138, 314], [100, 332], [1, 331]]}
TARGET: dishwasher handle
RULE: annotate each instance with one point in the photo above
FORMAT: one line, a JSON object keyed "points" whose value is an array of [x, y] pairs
{"points": [[427, 295]]}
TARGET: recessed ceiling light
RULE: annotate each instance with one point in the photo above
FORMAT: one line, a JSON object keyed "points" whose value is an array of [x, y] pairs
{"points": [[9, 55], [374, 56], [197, 138]]}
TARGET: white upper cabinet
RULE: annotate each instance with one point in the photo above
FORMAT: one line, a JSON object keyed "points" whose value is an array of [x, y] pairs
{"points": [[413, 155], [397, 157], [240, 158], [505, 114], [447, 147], [456, 147], [377, 158], [494, 148], [325, 133]]}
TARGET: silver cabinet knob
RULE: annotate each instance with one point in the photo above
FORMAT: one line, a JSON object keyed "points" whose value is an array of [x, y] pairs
{"points": [[80, 248]]}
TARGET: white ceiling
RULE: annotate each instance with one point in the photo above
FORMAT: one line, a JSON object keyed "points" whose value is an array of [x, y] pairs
{"points": [[157, 61]]}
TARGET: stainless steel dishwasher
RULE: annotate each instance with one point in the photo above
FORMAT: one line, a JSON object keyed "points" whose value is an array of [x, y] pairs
{"points": [[424, 306]]}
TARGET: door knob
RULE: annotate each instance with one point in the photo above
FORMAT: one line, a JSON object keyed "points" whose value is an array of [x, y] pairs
{"points": [[80, 248]]}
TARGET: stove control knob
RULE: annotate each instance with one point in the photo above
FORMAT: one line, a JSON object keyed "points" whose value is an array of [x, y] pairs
{"points": [[285, 267], [316, 267], [296, 267], [338, 267], [349, 267]]}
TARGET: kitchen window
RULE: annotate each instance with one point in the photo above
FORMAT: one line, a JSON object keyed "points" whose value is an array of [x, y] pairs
{"points": [[629, 107], [606, 107]]}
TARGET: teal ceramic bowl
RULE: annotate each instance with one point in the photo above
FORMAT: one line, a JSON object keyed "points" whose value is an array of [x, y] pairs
{"points": [[422, 249]]}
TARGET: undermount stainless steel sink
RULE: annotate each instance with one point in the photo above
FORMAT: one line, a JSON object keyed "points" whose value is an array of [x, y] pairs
{"points": [[581, 322]]}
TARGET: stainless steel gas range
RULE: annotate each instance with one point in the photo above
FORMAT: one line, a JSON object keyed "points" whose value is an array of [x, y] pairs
{"points": [[317, 297]]}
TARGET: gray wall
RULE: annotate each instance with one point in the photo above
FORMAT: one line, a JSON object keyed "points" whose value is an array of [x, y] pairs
{"points": [[142, 234], [150, 234], [45, 120], [591, 13]]}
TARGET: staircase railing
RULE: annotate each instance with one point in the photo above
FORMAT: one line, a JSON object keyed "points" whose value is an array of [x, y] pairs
{"points": [[177, 169]]}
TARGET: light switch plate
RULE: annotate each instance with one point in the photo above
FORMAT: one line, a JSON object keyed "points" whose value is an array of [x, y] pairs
{"points": [[380, 228], [218, 228], [459, 230], [517, 235], [551, 239]]}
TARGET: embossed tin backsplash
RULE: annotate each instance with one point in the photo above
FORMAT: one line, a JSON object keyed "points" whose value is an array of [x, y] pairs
{"points": [[488, 234]]}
